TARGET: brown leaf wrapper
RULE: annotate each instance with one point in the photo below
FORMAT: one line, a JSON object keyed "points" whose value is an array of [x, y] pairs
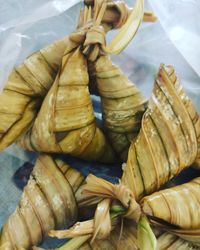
{"points": [[176, 210], [168, 139], [122, 105], [66, 118], [48, 202]]}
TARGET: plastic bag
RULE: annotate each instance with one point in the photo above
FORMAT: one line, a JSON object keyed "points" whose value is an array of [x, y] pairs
{"points": [[26, 26], [174, 39]]}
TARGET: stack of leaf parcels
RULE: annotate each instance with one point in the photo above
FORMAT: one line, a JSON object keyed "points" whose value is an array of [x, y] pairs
{"points": [[46, 107]]}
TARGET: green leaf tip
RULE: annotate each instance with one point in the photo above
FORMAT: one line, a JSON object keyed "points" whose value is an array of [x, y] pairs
{"points": [[145, 235]]}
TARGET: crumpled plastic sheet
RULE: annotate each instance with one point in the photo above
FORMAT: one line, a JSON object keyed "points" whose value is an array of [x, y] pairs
{"points": [[173, 40], [26, 26]]}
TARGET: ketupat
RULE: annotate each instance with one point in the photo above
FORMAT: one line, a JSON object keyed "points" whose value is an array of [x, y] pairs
{"points": [[122, 105], [48, 201], [176, 210], [66, 119], [168, 139]]}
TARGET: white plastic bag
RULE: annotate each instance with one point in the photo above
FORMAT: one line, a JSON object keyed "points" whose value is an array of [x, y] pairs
{"points": [[26, 26], [181, 22], [174, 39]]}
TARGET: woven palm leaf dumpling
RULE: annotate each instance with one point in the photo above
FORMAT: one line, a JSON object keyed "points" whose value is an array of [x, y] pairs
{"points": [[122, 104], [48, 201], [168, 139]]}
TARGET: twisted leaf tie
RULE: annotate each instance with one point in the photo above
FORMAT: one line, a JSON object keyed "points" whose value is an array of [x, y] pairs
{"points": [[103, 222]]}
